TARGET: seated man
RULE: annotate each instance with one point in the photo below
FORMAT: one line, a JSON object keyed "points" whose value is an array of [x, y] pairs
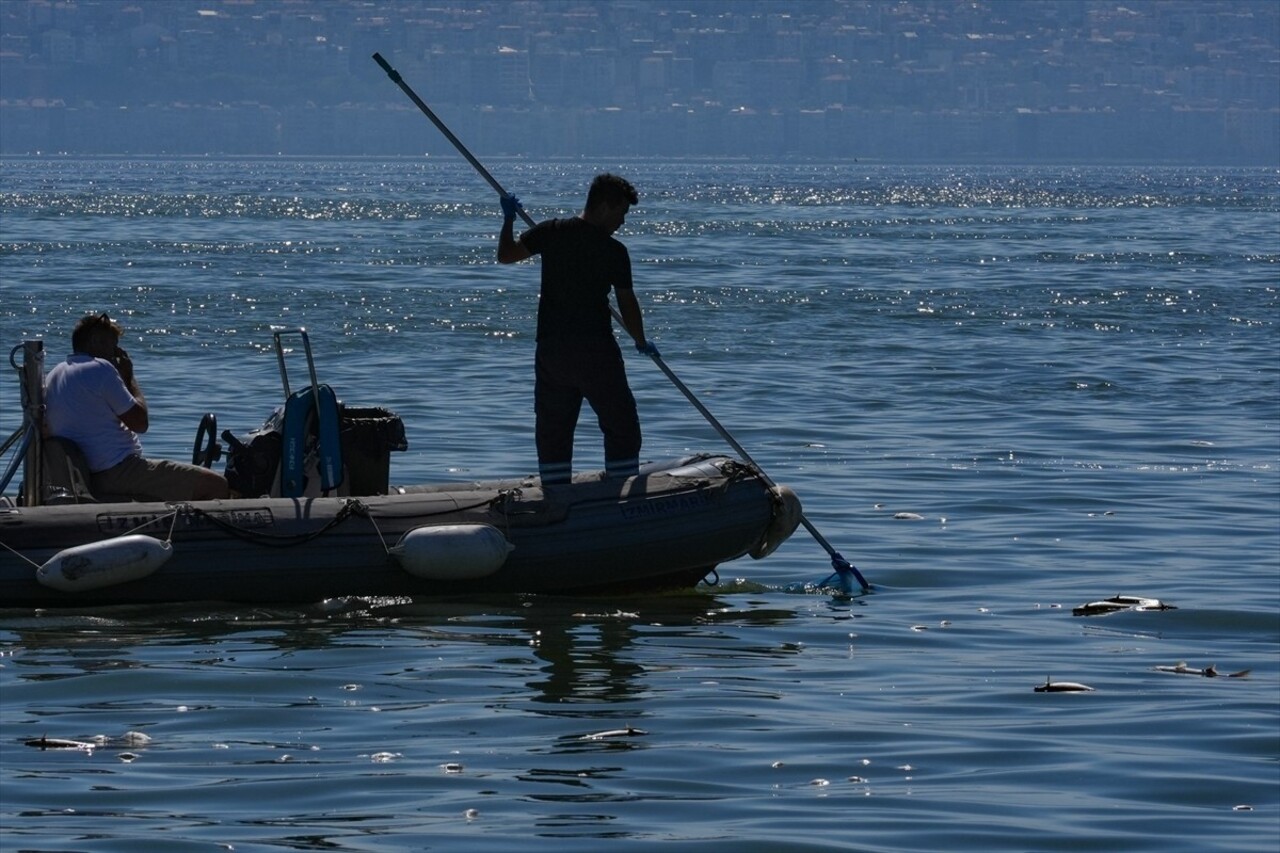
{"points": [[93, 400]]}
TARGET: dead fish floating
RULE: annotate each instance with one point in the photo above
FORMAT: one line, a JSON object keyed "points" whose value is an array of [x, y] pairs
{"points": [[1209, 671], [43, 743], [1050, 686], [128, 739], [629, 731], [1120, 602]]}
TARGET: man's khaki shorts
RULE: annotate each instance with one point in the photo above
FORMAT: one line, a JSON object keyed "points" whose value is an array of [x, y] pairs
{"points": [[148, 480]]}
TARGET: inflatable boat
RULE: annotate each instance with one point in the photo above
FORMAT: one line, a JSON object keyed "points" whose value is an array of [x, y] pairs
{"points": [[327, 522]]}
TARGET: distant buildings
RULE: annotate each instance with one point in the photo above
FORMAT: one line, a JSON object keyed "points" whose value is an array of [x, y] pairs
{"points": [[932, 80]]}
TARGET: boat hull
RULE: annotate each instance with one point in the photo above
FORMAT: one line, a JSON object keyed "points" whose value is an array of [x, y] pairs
{"points": [[668, 526]]}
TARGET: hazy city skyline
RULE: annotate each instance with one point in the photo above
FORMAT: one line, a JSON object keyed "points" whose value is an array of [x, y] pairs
{"points": [[1191, 81]]}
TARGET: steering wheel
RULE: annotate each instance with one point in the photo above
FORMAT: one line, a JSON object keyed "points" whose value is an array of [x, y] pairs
{"points": [[206, 450]]}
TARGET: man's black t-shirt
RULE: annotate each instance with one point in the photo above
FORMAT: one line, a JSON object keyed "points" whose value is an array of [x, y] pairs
{"points": [[580, 262]]}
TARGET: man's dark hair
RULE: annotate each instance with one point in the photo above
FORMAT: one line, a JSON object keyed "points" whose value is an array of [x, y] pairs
{"points": [[611, 190], [90, 326]]}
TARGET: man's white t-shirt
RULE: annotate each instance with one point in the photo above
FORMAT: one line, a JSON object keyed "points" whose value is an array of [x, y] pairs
{"points": [[84, 398]]}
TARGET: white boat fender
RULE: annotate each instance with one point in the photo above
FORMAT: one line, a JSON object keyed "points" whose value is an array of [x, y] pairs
{"points": [[105, 563], [448, 552], [786, 518]]}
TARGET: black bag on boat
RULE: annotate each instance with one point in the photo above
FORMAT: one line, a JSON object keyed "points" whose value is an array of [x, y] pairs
{"points": [[368, 437], [252, 464]]}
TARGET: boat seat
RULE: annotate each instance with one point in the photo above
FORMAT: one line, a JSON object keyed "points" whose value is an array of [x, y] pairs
{"points": [[67, 477], [66, 473]]}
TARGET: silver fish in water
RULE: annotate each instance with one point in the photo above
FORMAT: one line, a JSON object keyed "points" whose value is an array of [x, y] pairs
{"points": [[1050, 686], [1120, 602], [1209, 671]]}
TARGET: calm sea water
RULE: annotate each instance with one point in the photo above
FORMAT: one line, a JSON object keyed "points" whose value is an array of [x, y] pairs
{"points": [[1002, 393]]}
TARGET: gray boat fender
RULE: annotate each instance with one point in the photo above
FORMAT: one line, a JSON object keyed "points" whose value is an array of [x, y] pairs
{"points": [[106, 563], [452, 551]]}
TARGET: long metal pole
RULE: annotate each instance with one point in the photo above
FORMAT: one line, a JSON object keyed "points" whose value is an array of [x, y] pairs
{"points": [[842, 567]]}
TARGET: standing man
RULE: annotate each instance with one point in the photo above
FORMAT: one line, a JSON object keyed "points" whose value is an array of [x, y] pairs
{"points": [[577, 356], [93, 400]]}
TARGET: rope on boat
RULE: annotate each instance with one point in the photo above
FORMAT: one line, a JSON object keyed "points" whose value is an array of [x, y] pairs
{"points": [[178, 509], [416, 514], [349, 509], [277, 540], [498, 503], [382, 539], [173, 516], [172, 526], [19, 554]]}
